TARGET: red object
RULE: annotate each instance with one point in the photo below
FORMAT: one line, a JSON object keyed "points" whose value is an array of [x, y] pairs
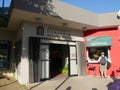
{"points": [[91, 68], [114, 33]]}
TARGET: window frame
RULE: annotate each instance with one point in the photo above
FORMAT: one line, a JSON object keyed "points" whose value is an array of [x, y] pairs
{"points": [[6, 63], [96, 61]]}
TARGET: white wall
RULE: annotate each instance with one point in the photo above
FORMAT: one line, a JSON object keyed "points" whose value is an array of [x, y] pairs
{"points": [[30, 31], [18, 69]]}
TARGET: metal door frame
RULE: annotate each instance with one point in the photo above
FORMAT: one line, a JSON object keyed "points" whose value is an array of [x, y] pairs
{"points": [[72, 59], [44, 61], [69, 43]]}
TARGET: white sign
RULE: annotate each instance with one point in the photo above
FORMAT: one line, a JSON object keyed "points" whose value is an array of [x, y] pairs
{"points": [[59, 34], [72, 52], [44, 52]]}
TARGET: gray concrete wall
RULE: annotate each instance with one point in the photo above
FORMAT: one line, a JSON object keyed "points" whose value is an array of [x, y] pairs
{"points": [[81, 59]]}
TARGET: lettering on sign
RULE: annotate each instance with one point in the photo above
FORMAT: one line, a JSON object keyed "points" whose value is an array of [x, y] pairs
{"points": [[59, 34], [99, 43]]}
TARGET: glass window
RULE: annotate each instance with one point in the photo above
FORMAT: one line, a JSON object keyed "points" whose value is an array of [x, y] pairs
{"points": [[4, 54], [95, 52]]}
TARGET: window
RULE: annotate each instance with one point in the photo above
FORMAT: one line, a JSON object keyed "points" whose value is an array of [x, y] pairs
{"points": [[4, 54], [40, 30], [95, 52]]}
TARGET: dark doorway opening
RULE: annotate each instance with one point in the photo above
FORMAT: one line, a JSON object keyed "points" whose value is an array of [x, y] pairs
{"points": [[59, 60]]}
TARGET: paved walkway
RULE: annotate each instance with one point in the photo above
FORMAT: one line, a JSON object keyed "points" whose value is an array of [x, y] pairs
{"points": [[10, 84], [74, 83]]}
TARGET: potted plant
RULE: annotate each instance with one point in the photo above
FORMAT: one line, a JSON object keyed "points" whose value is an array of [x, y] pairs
{"points": [[65, 69]]}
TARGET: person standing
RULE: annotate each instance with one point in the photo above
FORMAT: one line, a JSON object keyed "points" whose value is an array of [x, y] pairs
{"points": [[103, 64]]}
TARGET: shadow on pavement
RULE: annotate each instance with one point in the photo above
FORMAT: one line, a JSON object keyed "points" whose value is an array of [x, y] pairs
{"points": [[36, 85], [8, 83], [94, 89], [115, 85], [69, 88]]}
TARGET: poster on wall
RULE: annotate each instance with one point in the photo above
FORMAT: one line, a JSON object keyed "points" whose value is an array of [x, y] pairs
{"points": [[73, 61], [44, 52], [72, 52]]}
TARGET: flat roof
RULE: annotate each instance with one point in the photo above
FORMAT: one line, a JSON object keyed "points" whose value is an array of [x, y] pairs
{"points": [[75, 17]]}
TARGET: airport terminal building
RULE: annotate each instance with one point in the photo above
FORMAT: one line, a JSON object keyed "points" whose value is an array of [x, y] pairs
{"points": [[44, 38]]}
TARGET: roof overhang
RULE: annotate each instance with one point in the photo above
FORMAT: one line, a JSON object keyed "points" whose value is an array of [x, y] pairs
{"points": [[74, 17], [18, 16]]}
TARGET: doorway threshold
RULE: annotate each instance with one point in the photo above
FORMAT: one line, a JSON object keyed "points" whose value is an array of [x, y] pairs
{"points": [[60, 76]]}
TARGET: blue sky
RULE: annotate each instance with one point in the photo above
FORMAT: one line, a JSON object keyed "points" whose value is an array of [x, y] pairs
{"points": [[7, 3], [97, 6]]}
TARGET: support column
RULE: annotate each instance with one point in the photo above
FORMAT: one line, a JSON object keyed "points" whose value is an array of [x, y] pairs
{"points": [[33, 59], [81, 59]]}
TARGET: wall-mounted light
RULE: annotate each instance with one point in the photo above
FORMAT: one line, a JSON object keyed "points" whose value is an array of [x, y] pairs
{"points": [[118, 15], [65, 25], [84, 28], [39, 20]]}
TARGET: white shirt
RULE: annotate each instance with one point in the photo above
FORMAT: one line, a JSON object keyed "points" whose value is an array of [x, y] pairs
{"points": [[101, 57]]}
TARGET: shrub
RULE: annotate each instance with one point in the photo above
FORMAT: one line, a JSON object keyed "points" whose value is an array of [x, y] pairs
{"points": [[65, 69]]}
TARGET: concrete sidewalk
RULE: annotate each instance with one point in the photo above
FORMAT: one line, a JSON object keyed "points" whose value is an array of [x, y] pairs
{"points": [[10, 83], [73, 83]]}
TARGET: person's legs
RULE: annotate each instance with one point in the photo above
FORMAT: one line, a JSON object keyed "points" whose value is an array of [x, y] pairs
{"points": [[105, 69], [101, 74], [105, 74], [102, 70]]}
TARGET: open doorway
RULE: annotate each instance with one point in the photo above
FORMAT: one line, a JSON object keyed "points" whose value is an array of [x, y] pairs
{"points": [[59, 60], [50, 60]]}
